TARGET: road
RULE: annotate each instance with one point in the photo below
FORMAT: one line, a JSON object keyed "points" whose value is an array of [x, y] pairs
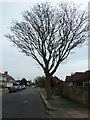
{"points": [[23, 104]]}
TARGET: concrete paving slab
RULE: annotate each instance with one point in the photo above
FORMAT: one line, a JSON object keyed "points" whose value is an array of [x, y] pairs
{"points": [[78, 114]]}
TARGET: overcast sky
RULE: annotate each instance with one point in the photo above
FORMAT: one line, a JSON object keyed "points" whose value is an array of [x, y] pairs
{"points": [[16, 63]]}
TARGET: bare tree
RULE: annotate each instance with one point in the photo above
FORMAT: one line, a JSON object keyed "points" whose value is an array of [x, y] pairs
{"points": [[49, 34]]}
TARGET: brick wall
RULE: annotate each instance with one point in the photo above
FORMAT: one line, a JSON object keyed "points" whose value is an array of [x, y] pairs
{"points": [[77, 94]]}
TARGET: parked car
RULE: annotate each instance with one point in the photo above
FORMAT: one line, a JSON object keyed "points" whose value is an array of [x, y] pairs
{"points": [[23, 87], [19, 88], [12, 89]]}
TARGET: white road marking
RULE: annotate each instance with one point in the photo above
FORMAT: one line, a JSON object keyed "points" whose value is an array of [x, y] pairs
{"points": [[25, 101]]}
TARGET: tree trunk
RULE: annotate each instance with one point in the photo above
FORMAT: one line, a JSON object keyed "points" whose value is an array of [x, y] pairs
{"points": [[48, 87]]}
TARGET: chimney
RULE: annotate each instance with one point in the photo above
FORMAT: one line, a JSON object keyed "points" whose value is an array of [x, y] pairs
{"points": [[6, 72]]}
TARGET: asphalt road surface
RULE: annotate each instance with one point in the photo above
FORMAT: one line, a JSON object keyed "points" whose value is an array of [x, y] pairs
{"points": [[23, 104]]}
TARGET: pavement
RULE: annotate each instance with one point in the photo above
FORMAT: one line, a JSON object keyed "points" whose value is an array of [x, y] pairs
{"points": [[61, 107]]}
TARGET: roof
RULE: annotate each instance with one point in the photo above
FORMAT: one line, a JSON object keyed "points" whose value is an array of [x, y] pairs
{"points": [[7, 76], [67, 78], [56, 80], [79, 76], [87, 75]]}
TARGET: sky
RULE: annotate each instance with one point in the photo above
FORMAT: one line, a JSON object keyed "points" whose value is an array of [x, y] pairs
{"points": [[17, 63]]}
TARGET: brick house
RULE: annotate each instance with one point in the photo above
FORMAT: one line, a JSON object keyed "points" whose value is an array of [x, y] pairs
{"points": [[55, 81], [55, 85], [87, 77], [79, 78]]}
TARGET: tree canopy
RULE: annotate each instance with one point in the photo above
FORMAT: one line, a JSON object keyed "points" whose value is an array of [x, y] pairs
{"points": [[23, 81], [49, 34]]}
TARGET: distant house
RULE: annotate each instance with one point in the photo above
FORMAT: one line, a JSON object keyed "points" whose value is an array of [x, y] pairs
{"points": [[55, 81], [6, 80], [69, 81], [2, 79], [79, 78], [17, 82], [87, 77]]}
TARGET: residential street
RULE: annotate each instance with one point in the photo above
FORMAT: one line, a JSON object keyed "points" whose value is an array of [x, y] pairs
{"points": [[23, 104]]}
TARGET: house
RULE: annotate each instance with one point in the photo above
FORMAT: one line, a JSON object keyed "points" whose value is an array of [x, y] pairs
{"points": [[6, 80], [55, 85], [79, 78], [69, 81], [55, 81], [2, 80]]}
